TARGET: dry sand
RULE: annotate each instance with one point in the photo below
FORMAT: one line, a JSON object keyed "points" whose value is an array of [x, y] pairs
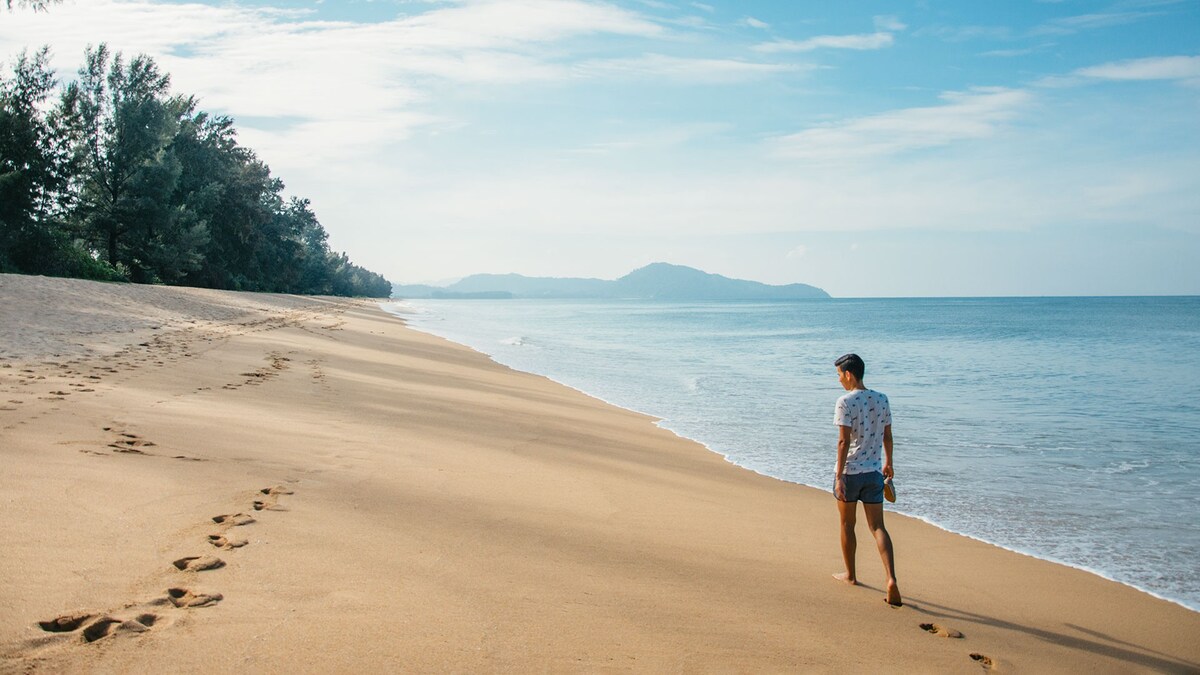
{"points": [[393, 502]]}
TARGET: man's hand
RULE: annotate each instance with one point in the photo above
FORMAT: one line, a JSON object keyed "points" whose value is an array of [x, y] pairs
{"points": [[887, 470], [839, 487]]}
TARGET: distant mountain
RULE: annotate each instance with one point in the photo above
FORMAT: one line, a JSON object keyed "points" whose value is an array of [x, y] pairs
{"points": [[662, 281], [532, 287], [658, 281], [438, 292]]}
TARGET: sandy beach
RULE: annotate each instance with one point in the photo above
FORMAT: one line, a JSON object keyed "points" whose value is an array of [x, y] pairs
{"points": [[206, 481]]}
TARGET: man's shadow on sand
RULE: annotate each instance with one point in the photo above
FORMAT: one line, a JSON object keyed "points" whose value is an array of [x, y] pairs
{"points": [[1111, 647]]}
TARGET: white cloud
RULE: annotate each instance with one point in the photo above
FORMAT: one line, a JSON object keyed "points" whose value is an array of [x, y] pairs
{"points": [[510, 23], [340, 83], [1161, 68], [889, 22], [755, 23], [965, 33], [1083, 22], [978, 113], [662, 138], [864, 41], [684, 70], [797, 253], [656, 4], [1009, 53]]}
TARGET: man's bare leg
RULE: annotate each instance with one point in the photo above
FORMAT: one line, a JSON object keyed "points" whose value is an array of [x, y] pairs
{"points": [[883, 542], [849, 543]]}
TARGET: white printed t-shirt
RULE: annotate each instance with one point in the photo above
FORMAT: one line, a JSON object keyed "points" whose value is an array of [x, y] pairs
{"points": [[866, 412]]}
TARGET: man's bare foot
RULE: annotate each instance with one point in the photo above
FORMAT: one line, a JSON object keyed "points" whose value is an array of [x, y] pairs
{"points": [[845, 578], [893, 595]]}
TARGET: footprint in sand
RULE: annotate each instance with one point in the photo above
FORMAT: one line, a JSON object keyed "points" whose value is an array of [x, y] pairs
{"points": [[986, 662], [98, 626], [940, 631], [234, 519], [271, 501], [129, 443], [130, 446], [199, 563], [221, 541], [65, 623], [182, 597]]}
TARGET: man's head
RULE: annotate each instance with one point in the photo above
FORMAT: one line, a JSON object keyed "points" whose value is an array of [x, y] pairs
{"points": [[850, 366]]}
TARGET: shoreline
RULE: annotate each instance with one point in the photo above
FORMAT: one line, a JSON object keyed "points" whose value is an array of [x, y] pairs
{"points": [[663, 423], [409, 503]]}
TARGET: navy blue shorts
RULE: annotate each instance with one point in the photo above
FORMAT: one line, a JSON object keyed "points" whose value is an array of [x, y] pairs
{"points": [[864, 487]]}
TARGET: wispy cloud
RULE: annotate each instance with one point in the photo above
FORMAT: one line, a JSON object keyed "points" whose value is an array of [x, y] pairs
{"points": [[268, 63], [978, 113], [1182, 69], [884, 36], [1009, 53], [754, 23], [865, 41], [1084, 22], [664, 138], [889, 22], [671, 69], [965, 33], [1160, 68]]}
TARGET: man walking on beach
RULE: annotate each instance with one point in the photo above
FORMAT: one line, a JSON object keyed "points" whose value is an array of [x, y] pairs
{"points": [[864, 460]]}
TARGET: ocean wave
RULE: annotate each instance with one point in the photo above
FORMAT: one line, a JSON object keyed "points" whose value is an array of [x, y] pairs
{"points": [[400, 307]]}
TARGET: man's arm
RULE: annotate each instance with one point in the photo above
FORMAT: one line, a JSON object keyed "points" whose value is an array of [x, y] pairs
{"points": [[887, 452], [843, 449]]}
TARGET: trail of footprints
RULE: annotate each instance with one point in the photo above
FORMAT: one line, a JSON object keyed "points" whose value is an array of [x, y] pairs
{"points": [[278, 363], [56, 380], [136, 618], [125, 442], [985, 662]]}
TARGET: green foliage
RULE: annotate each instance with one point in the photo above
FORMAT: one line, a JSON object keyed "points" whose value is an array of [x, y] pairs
{"points": [[122, 180], [33, 179]]}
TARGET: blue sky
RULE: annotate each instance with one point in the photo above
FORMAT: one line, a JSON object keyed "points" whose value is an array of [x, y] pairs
{"points": [[872, 149]]}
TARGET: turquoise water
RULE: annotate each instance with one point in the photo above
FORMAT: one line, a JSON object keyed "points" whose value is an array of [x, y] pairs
{"points": [[1066, 428]]}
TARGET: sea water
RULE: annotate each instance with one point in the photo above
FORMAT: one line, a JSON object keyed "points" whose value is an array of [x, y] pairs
{"points": [[1065, 428]]}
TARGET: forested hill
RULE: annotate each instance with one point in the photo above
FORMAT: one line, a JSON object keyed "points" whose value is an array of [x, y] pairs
{"points": [[113, 177]]}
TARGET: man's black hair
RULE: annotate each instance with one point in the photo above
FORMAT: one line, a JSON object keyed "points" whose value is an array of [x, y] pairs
{"points": [[853, 364]]}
